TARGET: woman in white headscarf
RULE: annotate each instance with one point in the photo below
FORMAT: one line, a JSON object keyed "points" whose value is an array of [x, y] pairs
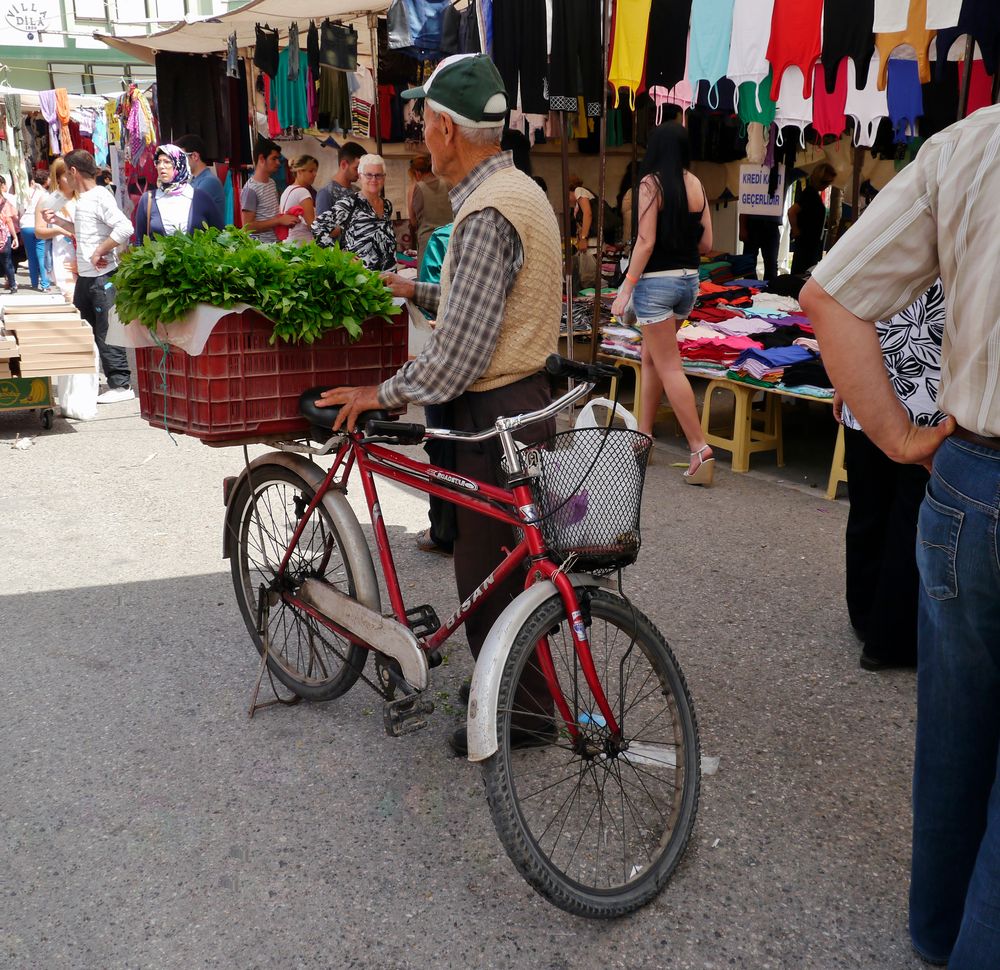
{"points": [[174, 206]]}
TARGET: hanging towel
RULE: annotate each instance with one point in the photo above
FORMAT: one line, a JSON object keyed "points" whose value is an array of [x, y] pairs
{"points": [[47, 102], [62, 112]]}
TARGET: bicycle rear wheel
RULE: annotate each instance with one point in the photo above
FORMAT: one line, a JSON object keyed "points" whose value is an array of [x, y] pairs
{"points": [[312, 661], [596, 827]]}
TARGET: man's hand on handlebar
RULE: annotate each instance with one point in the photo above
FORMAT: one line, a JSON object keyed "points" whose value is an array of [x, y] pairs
{"points": [[353, 400]]}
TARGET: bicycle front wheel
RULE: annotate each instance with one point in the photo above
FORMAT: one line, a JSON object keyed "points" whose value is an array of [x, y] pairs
{"points": [[596, 826], [312, 661]]}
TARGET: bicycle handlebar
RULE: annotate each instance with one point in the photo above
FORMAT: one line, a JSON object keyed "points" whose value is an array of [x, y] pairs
{"points": [[556, 366]]}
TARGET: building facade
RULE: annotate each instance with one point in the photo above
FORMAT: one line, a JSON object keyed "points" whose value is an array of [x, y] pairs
{"points": [[46, 44]]}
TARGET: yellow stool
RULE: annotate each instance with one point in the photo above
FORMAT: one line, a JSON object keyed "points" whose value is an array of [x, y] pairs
{"points": [[837, 471], [663, 412], [746, 439]]}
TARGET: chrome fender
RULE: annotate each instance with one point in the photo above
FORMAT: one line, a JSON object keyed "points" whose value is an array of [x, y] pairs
{"points": [[356, 549], [485, 690]]}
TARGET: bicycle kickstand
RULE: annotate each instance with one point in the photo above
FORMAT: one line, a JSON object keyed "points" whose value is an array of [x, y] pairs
{"points": [[262, 617]]}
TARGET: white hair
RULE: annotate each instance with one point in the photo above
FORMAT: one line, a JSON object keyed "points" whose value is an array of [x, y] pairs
{"points": [[371, 161], [482, 137]]}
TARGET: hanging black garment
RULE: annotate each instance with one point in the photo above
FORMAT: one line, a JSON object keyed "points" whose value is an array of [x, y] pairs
{"points": [[469, 31], [848, 31], [312, 49], [519, 32], [940, 101], [190, 100], [265, 52], [668, 40], [981, 19], [575, 63], [338, 46], [451, 30], [293, 52]]}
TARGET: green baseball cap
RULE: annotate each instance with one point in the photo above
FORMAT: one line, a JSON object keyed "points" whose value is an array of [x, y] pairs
{"points": [[469, 88]]}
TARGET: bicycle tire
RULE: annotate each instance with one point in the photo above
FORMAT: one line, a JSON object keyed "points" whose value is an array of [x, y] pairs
{"points": [[525, 830], [310, 660]]}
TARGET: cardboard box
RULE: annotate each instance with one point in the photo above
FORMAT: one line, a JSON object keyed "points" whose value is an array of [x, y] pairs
{"points": [[27, 310]]}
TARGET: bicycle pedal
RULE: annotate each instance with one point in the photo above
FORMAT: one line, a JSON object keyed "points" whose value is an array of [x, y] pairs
{"points": [[423, 621], [406, 714]]}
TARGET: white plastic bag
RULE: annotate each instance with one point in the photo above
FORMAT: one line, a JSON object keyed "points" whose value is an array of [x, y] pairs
{"points": [[602, 469], [77, 393]]}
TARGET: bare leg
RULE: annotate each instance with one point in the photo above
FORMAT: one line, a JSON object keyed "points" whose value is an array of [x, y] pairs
{"points": [[659, 341], [652, 392]]}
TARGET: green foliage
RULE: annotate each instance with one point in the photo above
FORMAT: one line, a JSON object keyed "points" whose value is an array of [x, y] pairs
{"points": [[306, 290]]}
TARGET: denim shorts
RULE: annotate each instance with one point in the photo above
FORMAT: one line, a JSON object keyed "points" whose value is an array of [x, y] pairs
{"points": [[656, 298]]}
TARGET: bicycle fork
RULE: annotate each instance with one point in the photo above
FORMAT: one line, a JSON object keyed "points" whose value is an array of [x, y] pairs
{"points": [[581, 645]]}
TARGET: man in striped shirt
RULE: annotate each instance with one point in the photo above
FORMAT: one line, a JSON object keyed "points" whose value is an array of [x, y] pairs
{"points": [[940, 216]]}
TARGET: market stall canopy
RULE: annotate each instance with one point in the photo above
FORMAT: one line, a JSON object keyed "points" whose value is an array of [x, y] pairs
{"points": [[207, 35]]}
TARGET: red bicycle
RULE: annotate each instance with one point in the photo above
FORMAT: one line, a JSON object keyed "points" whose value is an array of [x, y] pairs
{"points": [[593, 793]]}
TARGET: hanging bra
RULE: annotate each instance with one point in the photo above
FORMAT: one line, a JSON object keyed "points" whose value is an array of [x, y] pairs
{"points": [[890, 15], [828, 108], [916, 35], [847, 32], [680, 94], [752, 31], [795, 41], [708, 52], [793, 107], [905, 97], [867, 106], [629, 53]]}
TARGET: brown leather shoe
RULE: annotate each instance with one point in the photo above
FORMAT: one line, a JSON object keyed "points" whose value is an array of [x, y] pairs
{"points": [[426, 544]]}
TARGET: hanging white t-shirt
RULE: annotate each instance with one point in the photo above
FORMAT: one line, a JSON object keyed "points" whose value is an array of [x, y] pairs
{"points": [[942, 14], [751, 33], [890, 15]]}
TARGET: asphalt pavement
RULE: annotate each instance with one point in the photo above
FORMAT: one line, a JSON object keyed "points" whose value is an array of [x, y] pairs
{"points": [[148, 823]]}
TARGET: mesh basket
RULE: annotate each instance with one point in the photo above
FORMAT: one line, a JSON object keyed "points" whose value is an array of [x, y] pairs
{"points": [[589, 492]]}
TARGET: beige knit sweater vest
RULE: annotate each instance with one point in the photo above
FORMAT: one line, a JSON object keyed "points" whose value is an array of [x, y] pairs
{"points": [[529, 331]]}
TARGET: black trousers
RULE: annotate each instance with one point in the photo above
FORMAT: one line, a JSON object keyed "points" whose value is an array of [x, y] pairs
{"points": [[7, 258], [442, 454], [763, 236], [479, 540], [94, 296], [575, 63], [882, 579], [519, 50]]}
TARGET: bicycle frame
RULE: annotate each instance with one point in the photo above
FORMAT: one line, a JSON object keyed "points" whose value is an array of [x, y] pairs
{"points": [[515, 507]]}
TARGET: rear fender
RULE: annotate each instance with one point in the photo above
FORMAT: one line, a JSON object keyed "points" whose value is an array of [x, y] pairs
{"points": [[356, 549]]}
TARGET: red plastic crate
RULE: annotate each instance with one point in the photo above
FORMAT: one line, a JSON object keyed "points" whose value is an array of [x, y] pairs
{"points": [[241, 385]]}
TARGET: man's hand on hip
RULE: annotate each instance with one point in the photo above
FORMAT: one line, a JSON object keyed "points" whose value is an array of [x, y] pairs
{"points": [[353, 400]]}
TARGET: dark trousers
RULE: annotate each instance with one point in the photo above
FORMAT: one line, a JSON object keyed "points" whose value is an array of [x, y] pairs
{"points": [[519, 50], [479, 539], [442, 454], [763, 236], [94, 296], [882, 580], [7, 257]]}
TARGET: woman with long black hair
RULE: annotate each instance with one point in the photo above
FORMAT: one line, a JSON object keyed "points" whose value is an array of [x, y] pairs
{"points": [[661, 282]]}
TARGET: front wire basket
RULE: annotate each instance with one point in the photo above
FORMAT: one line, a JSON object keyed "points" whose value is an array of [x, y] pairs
{"points": [[587, 485]]}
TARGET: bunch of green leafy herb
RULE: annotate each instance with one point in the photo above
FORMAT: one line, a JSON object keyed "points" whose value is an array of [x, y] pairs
{"points": [[305, 290]]}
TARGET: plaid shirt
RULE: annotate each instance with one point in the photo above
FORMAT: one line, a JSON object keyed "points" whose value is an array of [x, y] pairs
{"points": [[486, 256]]}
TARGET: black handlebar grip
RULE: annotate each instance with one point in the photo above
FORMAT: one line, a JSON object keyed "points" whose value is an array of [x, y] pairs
{"points": [[404, 433], [562, 367]]}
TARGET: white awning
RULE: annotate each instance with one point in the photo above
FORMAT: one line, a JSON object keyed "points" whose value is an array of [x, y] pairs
{"points": [[207, 35]]}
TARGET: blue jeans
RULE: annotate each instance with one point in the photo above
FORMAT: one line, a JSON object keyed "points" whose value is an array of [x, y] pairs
{"points": [[955, 884], [34, 248]]}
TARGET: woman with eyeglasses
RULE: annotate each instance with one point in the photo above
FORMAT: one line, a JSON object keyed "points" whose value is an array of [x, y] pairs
{"points": [[174, 206], [362, 223]]}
